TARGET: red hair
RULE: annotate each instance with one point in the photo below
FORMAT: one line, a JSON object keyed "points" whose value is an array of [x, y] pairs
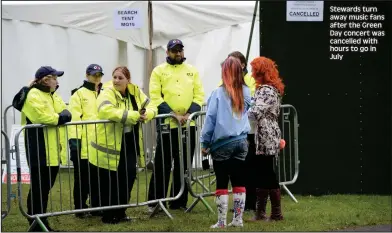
{"points": [[233, 80], [124, 70], [265, 72]]}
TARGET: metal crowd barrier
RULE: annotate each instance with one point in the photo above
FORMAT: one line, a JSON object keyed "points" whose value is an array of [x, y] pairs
{"points": [[5, 160], [64, 164], [60, 198], [287, 163], [5, 117], [198, 174], [201, 178]]}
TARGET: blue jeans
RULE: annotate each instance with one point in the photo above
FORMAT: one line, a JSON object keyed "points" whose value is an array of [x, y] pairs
{"points": [[229, 164], [235, 150]]}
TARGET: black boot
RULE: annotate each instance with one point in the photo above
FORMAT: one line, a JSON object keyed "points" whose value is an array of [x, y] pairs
{"points": [[250, 203], [276, 211], [261, 204]]}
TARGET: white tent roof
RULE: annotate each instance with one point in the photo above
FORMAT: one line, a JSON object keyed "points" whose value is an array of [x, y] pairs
{"points": [[172, 19]]}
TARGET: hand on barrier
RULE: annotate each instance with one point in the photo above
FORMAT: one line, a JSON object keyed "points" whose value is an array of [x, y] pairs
{"points": [[184, 118], [64, 117], [282, 144], [178, 117], [143, 116], [205, 151]]}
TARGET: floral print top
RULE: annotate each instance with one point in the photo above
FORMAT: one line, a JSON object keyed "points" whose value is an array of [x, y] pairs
{"points": [[266, 110]]}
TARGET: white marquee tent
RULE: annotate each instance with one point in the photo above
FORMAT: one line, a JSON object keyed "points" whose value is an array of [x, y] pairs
{"points": [[71, 35]]}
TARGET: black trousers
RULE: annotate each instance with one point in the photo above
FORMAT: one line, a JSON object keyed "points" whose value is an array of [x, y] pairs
{"points": [[94, 191], [229, 170], [81, 180], [251, 169], [159, 182], [266, 176], [115, 186], [42, 179]]}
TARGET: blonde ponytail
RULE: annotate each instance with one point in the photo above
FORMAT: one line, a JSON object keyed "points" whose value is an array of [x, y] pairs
{"points": [[32, 82]]}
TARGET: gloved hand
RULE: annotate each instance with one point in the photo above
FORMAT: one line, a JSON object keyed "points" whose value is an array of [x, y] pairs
{"points": [[64, 117]]}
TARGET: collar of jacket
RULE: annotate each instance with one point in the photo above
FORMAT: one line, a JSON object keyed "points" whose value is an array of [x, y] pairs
{"points": [[91, 86], [44, 88], [245, 71], [132, 89], [174, 62]]}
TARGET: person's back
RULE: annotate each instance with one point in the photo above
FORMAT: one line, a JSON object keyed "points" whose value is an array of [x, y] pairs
{"points": [[224, 134], [227, 125]]}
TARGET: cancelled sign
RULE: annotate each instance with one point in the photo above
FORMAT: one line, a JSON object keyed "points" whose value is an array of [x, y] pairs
{"points": [[127, 18], [304, 10]]}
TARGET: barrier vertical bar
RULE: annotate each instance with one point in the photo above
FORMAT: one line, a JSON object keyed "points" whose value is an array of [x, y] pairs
{"points": [[8, 167]]}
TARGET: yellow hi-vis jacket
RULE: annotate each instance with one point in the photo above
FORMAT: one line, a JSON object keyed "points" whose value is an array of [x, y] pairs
{"points": [[43, 107], [104, 150], [83, 107], [249, 81], [179, 86]]}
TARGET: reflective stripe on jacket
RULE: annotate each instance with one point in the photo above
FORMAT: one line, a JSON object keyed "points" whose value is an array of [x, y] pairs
{"points": [[105, 151]]}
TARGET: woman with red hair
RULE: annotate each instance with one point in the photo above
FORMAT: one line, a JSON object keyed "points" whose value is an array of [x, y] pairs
{"points": [[265, 110], [224, 134]]}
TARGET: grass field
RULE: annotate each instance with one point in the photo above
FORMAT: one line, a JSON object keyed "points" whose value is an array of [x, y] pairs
{"points": [[324, 213]]}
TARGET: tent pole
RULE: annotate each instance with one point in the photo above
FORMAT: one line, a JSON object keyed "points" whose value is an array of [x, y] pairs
{"points": [[261, 34], [251, 30], [149, 53]]}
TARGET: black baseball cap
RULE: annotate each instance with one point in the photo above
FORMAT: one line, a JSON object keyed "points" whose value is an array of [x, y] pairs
{"points": [[47, 70], [93, 69], [173, 43]]}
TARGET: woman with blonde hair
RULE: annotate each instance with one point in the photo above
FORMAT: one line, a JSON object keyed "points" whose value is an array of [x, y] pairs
{"points": [[117, 146], [266, 110], [40, 104], [224, 135]]}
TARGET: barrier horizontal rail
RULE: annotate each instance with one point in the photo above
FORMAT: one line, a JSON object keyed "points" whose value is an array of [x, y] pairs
{"points": [[7, 163], [136, 193], [195, 177]]}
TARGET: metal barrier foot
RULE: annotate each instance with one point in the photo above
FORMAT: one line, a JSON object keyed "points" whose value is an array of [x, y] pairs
{"points": [[213, 181], [192, 205], [161, 206], [38, 221], [203, 201], [3, 214], [197, 180], [207, 205], [289, 193]]}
